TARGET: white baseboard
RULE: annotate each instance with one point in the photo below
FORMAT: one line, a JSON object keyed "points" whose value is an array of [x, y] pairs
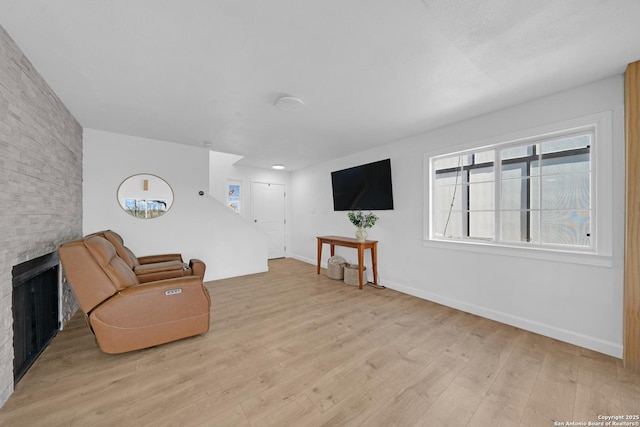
{"points": [[307, 260], [595, 344]]}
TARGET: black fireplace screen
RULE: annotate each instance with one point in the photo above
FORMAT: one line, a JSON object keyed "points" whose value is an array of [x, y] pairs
{"points": [[35, 310]]}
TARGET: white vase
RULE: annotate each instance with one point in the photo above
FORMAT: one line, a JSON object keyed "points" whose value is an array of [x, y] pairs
{"points": [[361, 234]]}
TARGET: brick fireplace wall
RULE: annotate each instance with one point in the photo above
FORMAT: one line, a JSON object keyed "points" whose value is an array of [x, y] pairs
{"points": [[40, 182]]}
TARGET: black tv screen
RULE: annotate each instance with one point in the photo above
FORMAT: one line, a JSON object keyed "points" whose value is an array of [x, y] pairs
{"points": [[364, 187]]}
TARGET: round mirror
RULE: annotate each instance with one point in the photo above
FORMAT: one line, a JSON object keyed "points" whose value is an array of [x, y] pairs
{"points": [[145, 196]]}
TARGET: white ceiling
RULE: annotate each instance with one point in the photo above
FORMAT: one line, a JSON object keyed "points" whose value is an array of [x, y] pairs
{"points": [[368, 71]]}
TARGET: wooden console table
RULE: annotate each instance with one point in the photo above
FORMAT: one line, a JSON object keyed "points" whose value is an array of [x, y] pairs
{"points": [[349, 242]]}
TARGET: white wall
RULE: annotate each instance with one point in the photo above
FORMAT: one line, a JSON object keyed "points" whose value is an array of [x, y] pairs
{"points": [[222, 168], [578, 302], [196, 226]]}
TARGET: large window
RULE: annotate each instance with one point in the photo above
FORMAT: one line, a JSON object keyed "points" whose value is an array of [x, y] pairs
{"points": [[535, 192]]}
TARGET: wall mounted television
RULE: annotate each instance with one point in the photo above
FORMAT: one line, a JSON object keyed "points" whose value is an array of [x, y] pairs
{"points": [[364, 187]]}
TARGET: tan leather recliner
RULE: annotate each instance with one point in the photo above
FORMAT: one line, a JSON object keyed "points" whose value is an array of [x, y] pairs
{"points": [[124, 314], [153, 267]]}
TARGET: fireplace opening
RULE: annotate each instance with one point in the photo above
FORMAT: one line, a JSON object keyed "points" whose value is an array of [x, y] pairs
{"points": [[35, 310]]}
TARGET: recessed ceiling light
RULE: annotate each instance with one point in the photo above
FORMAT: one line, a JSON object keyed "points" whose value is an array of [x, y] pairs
{"points": [[279, 167], [289, 103]]}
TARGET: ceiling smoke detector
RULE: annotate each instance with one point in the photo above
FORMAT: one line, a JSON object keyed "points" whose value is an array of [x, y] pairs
{"points": [[289, 103]]}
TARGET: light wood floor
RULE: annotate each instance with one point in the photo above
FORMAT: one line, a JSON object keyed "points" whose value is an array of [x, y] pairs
{"points": [[290, 348]]}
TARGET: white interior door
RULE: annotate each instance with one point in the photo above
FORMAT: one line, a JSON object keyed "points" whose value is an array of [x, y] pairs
{"points": [[268, 214]]}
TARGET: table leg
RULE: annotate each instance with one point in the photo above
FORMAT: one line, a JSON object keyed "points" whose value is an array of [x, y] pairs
{"points": [[319, 254], [333, 249], [374, 262], [360, 265]]}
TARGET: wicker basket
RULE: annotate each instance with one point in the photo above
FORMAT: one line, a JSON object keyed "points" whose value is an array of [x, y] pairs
{"points": [[351, 274], [335, 267]]}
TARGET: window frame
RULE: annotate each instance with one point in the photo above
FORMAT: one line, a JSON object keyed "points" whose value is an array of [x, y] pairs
{"points": [[588, 130], [599, 252]]}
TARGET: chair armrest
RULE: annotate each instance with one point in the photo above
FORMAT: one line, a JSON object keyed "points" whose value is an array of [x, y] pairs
{"points": [[154, 303], [164, 285], [197, 268], [152, 259], [157, 267], [152, 313]]}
